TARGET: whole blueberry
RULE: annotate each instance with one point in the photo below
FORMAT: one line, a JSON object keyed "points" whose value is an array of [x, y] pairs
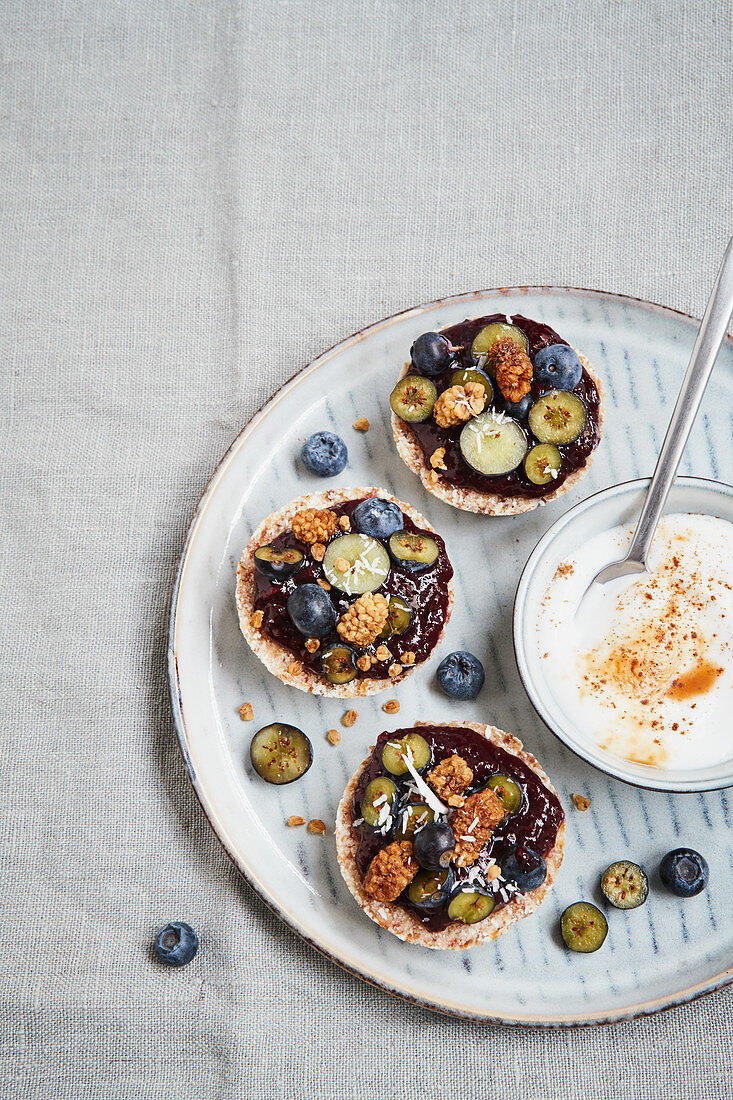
{"points": [[378, 518], [324, 454], [176, 944], [684, 872], [434, 845], [460, 675], [524, 867], [431, 353], [311, 611], [518, 409], [557, 366]]}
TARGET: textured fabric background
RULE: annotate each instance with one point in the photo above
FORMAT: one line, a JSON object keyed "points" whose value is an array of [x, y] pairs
{"points": [[197, 198]]}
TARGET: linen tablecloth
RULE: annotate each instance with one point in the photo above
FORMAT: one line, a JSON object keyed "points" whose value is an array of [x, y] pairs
{"points": [[197, 198]]}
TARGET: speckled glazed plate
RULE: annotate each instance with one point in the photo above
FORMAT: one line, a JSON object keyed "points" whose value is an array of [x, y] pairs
{"points": [[662, 954]]}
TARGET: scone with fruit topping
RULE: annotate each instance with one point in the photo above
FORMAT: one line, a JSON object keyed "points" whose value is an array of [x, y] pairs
{"points": [[448, 834], [496, 414], [344, 592]]}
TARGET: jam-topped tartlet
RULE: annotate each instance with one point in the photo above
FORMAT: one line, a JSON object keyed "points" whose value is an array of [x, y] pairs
{"points": [[449, 833], [344, 592], [496, 414]]}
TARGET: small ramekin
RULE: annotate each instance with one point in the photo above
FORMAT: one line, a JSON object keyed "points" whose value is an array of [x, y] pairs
{"points": [[608, 508]]}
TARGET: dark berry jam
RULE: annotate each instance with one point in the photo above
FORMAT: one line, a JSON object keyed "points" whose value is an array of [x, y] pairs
{"points": [[427, 594], [515, 484], [535, 824]]}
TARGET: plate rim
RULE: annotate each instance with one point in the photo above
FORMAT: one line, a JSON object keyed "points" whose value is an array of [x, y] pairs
{"points": [[603, 1017]]}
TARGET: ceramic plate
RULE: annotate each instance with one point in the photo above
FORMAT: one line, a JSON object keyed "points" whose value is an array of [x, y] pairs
{"points": [[662, 954]]}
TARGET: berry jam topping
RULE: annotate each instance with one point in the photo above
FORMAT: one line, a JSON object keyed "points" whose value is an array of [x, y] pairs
{"points": [[520, 840], [406, 592], [473, 459]]}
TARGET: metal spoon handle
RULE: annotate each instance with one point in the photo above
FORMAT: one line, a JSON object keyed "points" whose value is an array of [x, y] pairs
{"points": [[709, 338]]}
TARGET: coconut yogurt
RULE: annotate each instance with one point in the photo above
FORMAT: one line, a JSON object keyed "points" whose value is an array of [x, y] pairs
{"points": [[643, 665]]}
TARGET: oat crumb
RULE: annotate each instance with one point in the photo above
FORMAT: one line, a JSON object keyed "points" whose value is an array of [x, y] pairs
{"points": [[408, 658], [312, 645], [318, 551], [362, 424], [324, 585], [437, 459], [434, 476], [295, 820], [246, 713], [341, 565], [582, 803], [364, 662], [333, 736], [395, 669], [349, 718], [344, 523], [316, 826], [256, 619], [382, 653], [391, 706], [294, 668], [493, 872]]}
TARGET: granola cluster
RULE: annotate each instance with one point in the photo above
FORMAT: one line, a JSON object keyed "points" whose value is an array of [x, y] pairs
{"points": [[450, 778], [364, 620], [458, 404], [391, 870], [511, 367], [314, 525], [473, 823]]}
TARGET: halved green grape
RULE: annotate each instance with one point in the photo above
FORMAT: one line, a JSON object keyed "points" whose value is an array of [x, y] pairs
{"points": [[280, 753], [488, 336], [399, 617], [379, 793], [355, 564], [508, 792], [412, 551], [470, 907], [542, 463], [493, 444], [277, 565], [411, 818], [395, 749], [583, 927], [413, 398], [460, 377], [625, 884], [557, 417], [429, 889], [338, 664]]}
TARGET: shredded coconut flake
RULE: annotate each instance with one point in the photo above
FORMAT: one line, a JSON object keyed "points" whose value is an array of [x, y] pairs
{"points": [[432, 799]]}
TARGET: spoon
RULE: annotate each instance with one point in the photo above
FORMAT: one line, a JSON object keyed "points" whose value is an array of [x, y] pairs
{"points": [[705, 352]]}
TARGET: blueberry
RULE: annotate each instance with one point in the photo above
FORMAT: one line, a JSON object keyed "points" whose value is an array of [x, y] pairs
{"points": [[324, 454], [311, 611], [176, 944], [434, 845], [518, 410], [557, 366], [684, 872], [378, 518], [460, 675], [525, 868], [431, 353]]}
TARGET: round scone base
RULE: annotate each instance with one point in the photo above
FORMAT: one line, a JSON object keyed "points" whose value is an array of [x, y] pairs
{"points": [[405, 925], [473, 500], [280, 661]]}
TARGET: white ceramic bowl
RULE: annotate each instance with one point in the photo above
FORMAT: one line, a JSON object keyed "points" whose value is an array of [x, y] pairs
{"points": [[615, 505]]}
